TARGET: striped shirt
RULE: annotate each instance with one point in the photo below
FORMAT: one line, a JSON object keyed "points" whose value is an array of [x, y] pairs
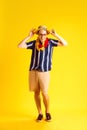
{"points": [[41, 60]]}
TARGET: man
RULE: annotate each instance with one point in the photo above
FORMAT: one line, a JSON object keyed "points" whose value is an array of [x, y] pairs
{"points": [[40, 66]]}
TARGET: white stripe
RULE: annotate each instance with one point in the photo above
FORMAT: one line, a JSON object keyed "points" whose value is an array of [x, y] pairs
{"points": [[34, 59], [54, 42], [51, 56], [48, 57], [43, 60], [29, 45], [38, 60]]}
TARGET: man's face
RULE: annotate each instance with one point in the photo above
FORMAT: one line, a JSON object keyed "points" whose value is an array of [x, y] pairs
{"points": [[42, 35]]}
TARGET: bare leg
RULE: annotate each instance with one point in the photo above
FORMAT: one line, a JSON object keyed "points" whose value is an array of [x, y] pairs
{"points": [[38, 101], [46, 101]]}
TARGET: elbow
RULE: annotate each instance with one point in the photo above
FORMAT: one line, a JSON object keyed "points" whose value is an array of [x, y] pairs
{"points": [[18, 46], [21, 46], [65, 44]]}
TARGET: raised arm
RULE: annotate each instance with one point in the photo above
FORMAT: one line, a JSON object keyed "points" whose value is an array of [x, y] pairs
{"points": [[61, 42], [22, 44]]}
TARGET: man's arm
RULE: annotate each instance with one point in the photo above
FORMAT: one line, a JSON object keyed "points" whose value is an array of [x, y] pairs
{"points": [[23, 44], [61, 42]]}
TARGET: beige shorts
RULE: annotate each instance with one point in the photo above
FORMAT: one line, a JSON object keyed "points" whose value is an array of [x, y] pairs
{"points": [[39, 80]]}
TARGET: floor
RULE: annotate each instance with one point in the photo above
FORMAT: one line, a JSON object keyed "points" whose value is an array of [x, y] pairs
{"points": [[63, 120]]}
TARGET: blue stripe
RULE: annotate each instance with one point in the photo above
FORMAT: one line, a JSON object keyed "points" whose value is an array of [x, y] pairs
{"points": [[50, 57], [42, 60], [45, 59]]}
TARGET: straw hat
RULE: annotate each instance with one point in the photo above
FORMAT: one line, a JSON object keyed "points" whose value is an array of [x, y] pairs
{"points": [[42, 28]]}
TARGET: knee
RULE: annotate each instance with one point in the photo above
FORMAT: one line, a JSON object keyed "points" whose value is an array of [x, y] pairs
{"points": [[37, 93], [45, 94]]}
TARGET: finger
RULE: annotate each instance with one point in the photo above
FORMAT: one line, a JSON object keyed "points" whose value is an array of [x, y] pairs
{"points": [[53, 31], [50, 31], [33, 30]]}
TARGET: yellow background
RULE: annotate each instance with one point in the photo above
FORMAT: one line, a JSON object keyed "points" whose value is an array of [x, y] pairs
{"points": [[68, 85]]}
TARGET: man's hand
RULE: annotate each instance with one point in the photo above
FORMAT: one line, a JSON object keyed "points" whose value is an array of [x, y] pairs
{"points": [[53, 32], [32, 32], [22, 44], [61, 42]]}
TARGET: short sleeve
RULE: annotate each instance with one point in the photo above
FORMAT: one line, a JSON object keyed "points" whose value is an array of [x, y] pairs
{"points": [[54, 42], [30, 45]]}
